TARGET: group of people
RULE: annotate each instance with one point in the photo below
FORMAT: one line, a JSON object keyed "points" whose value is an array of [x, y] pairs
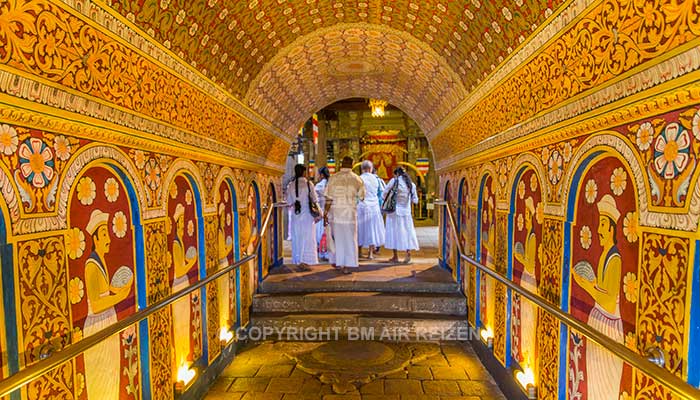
{"points": [[346, 210]]}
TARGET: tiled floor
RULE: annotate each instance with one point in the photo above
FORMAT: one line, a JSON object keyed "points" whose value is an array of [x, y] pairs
{"points": [[266, 371]]}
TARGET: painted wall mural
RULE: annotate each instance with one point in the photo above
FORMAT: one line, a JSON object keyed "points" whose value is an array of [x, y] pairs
{"points": [[184, 245], [227, 242], [487, 287], [100, 244], [603, 224], [97, 231], [605, 288], [449, 252], [527, 220]]}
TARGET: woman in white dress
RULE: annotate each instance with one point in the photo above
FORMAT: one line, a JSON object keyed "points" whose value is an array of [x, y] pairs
{"points": [[370, 224], [299, 193], [400, 232], [320, 188], [102, 362]]}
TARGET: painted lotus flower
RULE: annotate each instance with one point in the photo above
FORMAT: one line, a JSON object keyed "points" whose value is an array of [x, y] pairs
{"points": [[226, 196], [586, 237], [567, 151], [75, 243], [630, 286], [645, 135], [228, 219], [521, 189], [618, 181], [533, 182], [36, 162], [630, 227], [555, 167], [139, 158], [8, 139], [62, 147], [190, 227], [591, 191], [671, 151], [188, 197], [173, 191], [520, 222], [111, 190], [76, 290], [86, 190], [119, 224]]}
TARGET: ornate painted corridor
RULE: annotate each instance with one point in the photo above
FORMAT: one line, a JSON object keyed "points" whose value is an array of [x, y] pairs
{"points": [[142, 149]]}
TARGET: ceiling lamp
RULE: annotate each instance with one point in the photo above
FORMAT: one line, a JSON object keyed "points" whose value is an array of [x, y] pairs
{"points": [[377, 107]]}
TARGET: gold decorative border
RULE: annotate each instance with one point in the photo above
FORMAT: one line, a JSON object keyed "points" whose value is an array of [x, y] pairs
{"points": [[557, 125], [99, 13], [72, 107]]}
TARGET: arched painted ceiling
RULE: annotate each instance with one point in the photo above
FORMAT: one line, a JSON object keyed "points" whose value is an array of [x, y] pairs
{"points": [[287, 58]]}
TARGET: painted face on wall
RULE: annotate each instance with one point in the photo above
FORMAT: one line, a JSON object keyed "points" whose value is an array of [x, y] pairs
{"points": [[604, 271], [101, 240]]}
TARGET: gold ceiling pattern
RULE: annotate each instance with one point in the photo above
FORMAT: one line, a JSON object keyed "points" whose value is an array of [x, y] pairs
{"points": [[355, 60], [231, 41]]}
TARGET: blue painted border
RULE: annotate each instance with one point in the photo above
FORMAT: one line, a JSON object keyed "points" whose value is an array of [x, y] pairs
{"points": [[566, 271], [204, 359], [460, 199], [477, 256], [694, 334], [258, 222], [236, 241], [443, 228], [143, 336], [275, 227]]}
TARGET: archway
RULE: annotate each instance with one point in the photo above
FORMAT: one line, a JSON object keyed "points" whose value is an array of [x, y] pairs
{"points": [[105, 249], [186, 242]]}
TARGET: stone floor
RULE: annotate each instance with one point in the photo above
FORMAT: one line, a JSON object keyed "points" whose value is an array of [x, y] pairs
{"points": [[355, 371]]}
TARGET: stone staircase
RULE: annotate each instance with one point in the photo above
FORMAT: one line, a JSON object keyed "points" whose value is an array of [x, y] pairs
{"points": [[403, 308]]}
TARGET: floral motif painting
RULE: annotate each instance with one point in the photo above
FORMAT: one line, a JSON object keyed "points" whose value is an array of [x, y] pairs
{"points": [[528, 217], [604, 286], [466, 234], [269, 244], [227, 215], [449, 249], [184, 245], [248, 229], [100, 246], [487, 294]]}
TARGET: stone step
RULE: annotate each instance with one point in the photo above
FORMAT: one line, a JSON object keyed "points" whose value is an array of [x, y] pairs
{"points": [[356, 326], [393, 286], [362, 302]]}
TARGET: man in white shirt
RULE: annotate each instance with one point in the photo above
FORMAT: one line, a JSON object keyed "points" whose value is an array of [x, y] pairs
{"points": [[343, 192]]}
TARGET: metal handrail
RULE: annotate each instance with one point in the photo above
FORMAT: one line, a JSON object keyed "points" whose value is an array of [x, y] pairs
{"points": [[675, 384], [29, 374]]}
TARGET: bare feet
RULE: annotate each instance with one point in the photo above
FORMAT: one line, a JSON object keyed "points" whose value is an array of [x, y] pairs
{"points": [[345, 271], [407, 260]]}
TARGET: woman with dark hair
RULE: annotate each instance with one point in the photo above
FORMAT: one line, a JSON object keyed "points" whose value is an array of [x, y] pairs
{"points": [[400, 232], [323, 175], [299, 197]]}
